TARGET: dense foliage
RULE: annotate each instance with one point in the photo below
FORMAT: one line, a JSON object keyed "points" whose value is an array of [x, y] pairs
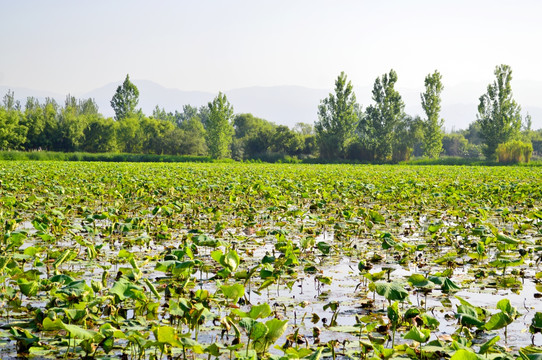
{"points": [[338, 117], [433, 124], [383, 118], [514, 152], [133, 261], [498, 113], [125, 100], [219, 127], [78, 126], [343, 131]]}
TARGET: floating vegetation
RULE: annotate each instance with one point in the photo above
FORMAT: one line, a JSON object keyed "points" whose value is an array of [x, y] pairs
{"points": [[149, 261]]}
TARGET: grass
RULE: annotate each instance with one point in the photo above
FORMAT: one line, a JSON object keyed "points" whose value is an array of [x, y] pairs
{"points": [[458, 161], [101, 157], [268, 158]]}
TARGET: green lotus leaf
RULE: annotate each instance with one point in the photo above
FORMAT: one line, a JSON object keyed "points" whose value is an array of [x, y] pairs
{"points": [[259, 311], [449, 286], [391, 291], [416, 334], [420, 281], [498, 321], [123, 289], [275, 328], [233, 292], [536, 323], [463, 354], [485, 347], [28, 288], [468, 316]]}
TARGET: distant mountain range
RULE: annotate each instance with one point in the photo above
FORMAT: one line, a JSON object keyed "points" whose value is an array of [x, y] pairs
{"points": [[288, 105]]}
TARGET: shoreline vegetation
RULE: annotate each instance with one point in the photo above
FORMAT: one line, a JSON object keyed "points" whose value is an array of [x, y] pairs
{"points": [[15, 155], [343, 131]]}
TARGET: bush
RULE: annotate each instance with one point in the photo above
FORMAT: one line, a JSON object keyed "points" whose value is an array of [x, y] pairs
{"points": [[514, 152], [402, 153], [454, 144], [356, 151], [473, 151], [448, 161], [275, 157]]}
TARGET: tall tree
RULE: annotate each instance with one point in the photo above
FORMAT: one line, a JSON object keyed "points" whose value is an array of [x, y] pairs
{"points": [[125, 100], [50, 137], [304, 128], [338, 116], [12, 129], [100, 135], [203, 113], [407, 135], [34, 120], [130, 136], [286, 141], [454, 144], [379, 125], [432, 140], [9, 101], [473, 133], [161, 114], [88, 107], [71, 125], [219, 127], [498, 113], [247, 127], [188, 113], [192, 137], [155, 133]]}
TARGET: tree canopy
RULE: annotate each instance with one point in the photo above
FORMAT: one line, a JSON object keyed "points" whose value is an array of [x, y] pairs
{"points": [[341, 132], [338, 116], [383, 116], [432, 140], [125, 100], [219, 127], [498, 113]]}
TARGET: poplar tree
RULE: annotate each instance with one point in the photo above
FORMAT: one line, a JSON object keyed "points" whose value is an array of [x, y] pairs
{"points": [[12, 130], [125, 100], [220, 131], [338, 116], [432, 125], [383, 117], [498, 113]]}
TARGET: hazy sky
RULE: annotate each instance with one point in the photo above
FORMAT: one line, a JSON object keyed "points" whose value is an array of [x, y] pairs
{"points": [[76, 46]]}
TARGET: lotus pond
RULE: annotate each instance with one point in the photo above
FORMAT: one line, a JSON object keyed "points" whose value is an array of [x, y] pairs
{"points": [[202, 261]]}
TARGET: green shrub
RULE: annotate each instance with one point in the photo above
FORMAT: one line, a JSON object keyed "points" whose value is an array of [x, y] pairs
{"points": [[514, 152], [356, 151], [114, 157], [473, 151], [402, 153], [447, 160]]}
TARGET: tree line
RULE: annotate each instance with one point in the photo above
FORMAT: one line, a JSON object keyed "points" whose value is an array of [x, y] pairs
{"points": [[382, 132], [212, 130]]}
